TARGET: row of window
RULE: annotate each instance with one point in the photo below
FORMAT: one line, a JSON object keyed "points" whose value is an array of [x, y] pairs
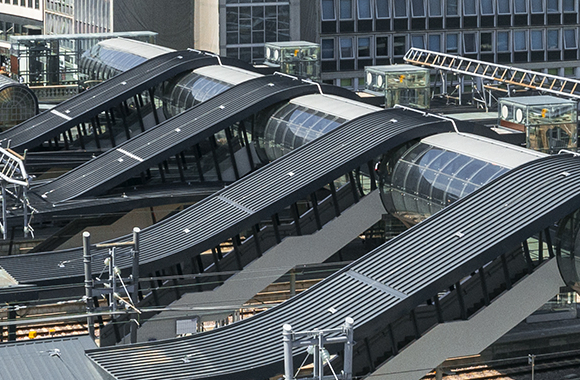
{"points": [[57, 24], [257, 24], [24, 3], [254, 1], [60, 6], [93, 16], [368, 9], [350, 47]]}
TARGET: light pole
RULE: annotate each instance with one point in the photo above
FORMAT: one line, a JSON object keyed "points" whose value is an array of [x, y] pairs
{"points": [[532, 361]]}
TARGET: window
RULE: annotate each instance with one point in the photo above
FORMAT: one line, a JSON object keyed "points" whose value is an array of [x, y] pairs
{"points": [[364, 47], [469, 7], [503, 7], [346, 82], [345, 9], [418, 42], [537, 6], [570, 39], [553, 40], [569, 72], [435, 42], [328, 10], [469, 44], [521, 6], [364, 9], [569, 5], [346, 51], [400, 8], [452, 47], [435, 8], [383, 10], [382, 46], [452, 8], [418, 8], [327, 47], [399, 45], [520, 40], [553, 6], [537, 40], [487, 7], [503, 41], [485, 42]]}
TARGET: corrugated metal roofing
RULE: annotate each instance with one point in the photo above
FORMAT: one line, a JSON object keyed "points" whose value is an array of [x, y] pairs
{"points": [[375, 290], [171, 137], [110, 93], [47, 359], [251, 199]]}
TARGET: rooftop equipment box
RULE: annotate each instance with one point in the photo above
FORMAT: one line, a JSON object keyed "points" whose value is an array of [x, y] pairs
{"points": [[400, 84], [298, 58], [550, 123]]}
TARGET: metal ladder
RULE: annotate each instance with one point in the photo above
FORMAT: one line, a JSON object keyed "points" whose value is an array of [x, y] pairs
{"points": [[556, 85]]}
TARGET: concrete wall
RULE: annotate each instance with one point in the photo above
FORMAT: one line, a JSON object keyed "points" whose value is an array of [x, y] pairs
{"points": [[206, 26]]}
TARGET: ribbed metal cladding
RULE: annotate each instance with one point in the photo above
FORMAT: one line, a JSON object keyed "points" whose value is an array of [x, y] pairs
{"points": [[255, 197], [168, 138], [421, 261], [110, 93]]}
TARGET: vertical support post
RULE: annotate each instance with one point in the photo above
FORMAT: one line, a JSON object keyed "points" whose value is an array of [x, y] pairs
{"points": [[316, 361], [320, 354], [152, 97], [532, 361], [25, 209], [287, 339], [460, 88], [113, 284], [348, 347], [292, 282], [135, 281], [4, 219], [87, 261]]}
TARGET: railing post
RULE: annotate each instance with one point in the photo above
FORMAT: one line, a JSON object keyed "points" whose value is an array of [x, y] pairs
{"points": [[135, 281], [87, 261], [348, 347], [287, 339]]}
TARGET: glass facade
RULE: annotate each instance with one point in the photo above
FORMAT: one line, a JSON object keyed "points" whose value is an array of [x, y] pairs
{"points": [[290, 127], [252, 23], [189, 90], [426, 178], [17, 103], [506, 31]]}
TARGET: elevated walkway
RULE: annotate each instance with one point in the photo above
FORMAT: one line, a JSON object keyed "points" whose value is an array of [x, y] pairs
{"points": [[470, 337], [81, 108], [241, 206], [387, 284], [291, 252], [169, 138]]}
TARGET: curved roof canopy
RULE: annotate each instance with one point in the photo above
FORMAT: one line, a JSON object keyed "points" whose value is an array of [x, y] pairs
{"points": [[17, 103]]}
